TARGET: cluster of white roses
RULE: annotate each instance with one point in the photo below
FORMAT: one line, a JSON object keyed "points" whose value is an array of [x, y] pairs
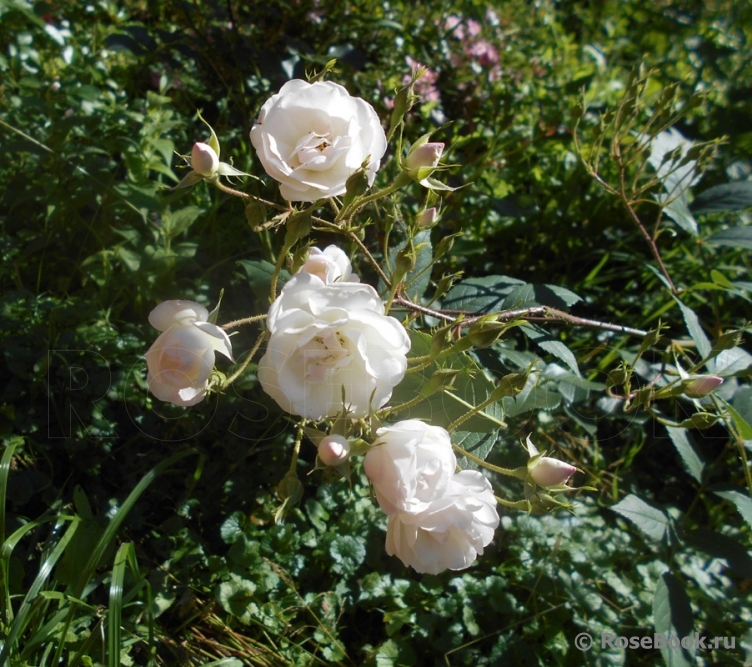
{"points": [[332, 351], [438, 519], [331, 341]]}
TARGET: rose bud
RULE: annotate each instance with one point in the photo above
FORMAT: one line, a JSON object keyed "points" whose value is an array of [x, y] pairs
{"points": [[204, 160], [422, 159], [334, 450], [702, 385], [427, 218], [546, 471]]}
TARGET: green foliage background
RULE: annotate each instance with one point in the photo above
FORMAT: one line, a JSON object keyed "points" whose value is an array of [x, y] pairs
{"points": [[96, 98]]}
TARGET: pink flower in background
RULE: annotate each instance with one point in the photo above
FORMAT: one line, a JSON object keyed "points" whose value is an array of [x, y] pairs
{"points": [[473, 28], [453, 23], [483, 52]]}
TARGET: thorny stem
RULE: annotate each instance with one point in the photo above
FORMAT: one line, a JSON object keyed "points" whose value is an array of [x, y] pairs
{"points": [[651, 241], [277, 268], [296, 450], [509, 472], [244, 195], [420, 360], [354, 237], [472, 412], [421, 366], [246, 361], [407, 404], [370, 257], [352, 209], [514, 504], [535, 314], [245, 320]]}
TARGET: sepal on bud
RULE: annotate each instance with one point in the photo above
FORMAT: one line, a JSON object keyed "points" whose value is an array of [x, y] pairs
{"points": [[486, 331], [290, 492], [405, 99], [357, 183]]}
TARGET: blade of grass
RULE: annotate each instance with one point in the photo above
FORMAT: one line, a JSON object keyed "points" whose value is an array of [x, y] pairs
{"points": [[10, 450], [44, 571], [112, 528], [5, 554], [116, 603]]}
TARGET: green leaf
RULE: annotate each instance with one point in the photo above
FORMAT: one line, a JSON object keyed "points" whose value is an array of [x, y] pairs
{"points": [[348, 553], [560, 351], [175, 223], [742, 403], [692, 462], [480, 295], [496, 293], [236, 596], [470, 388], [735, 237], [721, 546], [259, 273], [678, 211], [672, 615], [129, 258], [650, 520], [736, 361], [742, 502], [232, 527], [695, 330], [533, 397], [727, 197], [530, 294], [742, 425], [478, 444]]}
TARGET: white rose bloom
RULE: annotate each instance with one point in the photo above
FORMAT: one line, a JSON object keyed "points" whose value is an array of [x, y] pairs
{"points": [[181, 360], [312, 136], [330, 265], [327, 340], [451, 532], [410, 465]]}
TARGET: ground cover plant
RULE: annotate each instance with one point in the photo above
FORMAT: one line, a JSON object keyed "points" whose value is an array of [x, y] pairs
{"points": [[368, 333]]}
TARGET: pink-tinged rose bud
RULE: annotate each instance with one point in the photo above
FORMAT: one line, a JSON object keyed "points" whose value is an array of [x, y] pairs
{"points": [[702, 385], [334, 450], [551, 472], [204, 160], [423, 158], [427, 218], [544, 470]]}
